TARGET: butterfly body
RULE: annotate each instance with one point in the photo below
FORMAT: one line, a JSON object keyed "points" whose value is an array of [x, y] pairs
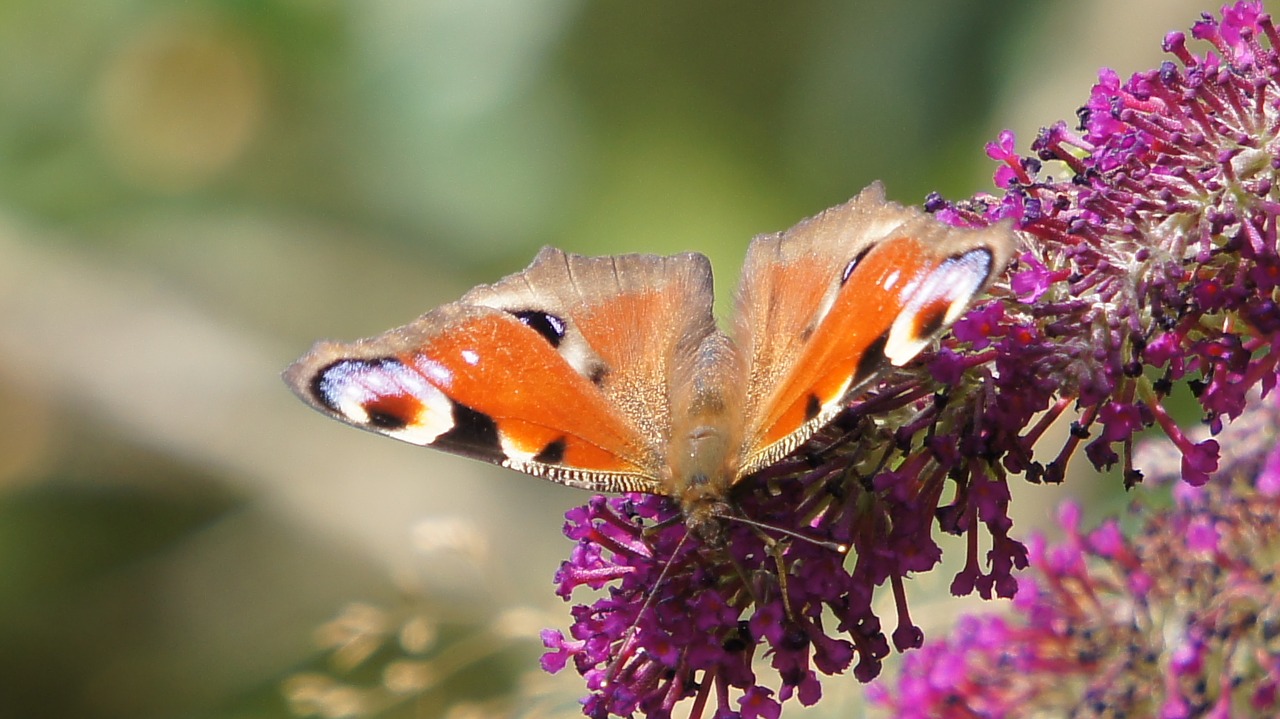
{"points": [[610, 374]]}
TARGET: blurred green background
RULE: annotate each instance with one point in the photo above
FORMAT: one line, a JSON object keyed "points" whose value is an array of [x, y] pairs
{"points": [[193, 192]]}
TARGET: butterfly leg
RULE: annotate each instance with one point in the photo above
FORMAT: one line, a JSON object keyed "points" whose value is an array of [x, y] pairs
{"points": [[774, 547]]}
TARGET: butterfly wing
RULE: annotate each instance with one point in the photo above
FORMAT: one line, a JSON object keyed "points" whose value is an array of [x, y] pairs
{"points": [[826, 305], [560, 371]]}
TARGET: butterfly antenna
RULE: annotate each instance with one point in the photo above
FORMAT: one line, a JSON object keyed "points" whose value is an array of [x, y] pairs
{"points": [[775, 549], [616, 664], [837, 547]]}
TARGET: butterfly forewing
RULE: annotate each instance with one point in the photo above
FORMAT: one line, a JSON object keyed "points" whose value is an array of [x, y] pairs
{"points": [[903, 278], [559, 371], [790, 281], [629, 321]]}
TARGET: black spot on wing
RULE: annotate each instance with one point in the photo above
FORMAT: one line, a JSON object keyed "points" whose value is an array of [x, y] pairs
{"points": [[931, 319], [872, 359], [597, 373], [553, 453], [812, 407], [551, 327], [387, 420], [848, 269], [473, 434]]}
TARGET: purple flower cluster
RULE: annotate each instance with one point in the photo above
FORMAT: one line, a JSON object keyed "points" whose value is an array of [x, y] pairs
{"points": [[1151, 265], [676, 622], [1154, 262], [1181, 620]]}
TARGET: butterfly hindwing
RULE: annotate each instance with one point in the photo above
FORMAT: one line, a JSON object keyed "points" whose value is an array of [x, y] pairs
{"points": [[559, 371], [827, 305]]}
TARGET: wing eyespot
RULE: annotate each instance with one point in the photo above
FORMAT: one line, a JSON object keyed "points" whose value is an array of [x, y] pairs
{"points": [[329, 382], [319, 388], [977, 257], [931, 320], [549, 326], [391, 413]]}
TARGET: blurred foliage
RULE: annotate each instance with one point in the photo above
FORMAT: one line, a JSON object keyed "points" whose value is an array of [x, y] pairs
{"points": [[190, 192]]}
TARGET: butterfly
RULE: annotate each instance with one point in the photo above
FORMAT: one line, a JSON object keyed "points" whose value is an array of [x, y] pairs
{"points": [[610, 373]]}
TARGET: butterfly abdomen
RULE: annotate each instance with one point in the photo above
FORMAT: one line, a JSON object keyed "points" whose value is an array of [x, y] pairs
{"points": [[702, 478]]}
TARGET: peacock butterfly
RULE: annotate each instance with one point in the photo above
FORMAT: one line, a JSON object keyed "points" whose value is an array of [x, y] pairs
{"points": [[610, 374]]}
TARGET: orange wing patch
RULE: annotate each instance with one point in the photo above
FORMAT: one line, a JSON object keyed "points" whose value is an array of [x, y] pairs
{"points": [[847, 345], [500, 368]]}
